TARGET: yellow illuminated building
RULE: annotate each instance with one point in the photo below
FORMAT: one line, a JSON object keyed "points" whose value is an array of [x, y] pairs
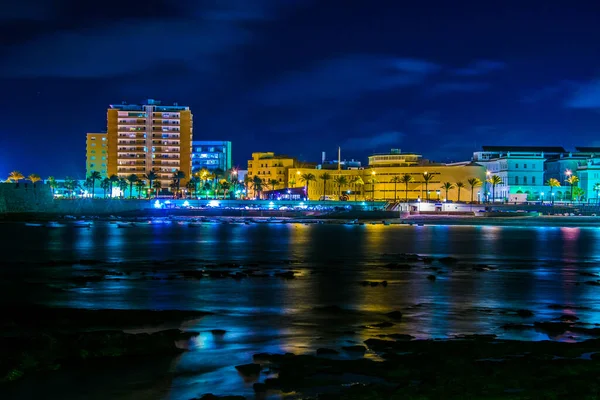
{"points": [[150, 137], [96, 159], [376, 182], [269, 167]]}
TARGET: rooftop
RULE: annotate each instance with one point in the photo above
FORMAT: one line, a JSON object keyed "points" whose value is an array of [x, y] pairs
{"points": [[150, 102], [588, 149], [525, 149]]}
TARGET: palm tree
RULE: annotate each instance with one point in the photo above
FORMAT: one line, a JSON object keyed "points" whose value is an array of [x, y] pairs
{"points": [[273, 183], [123, 185], [70, 185], [578, 193], [395, 180], [87, 185], [156, 186], [325, 176], [372, 181], [292, 182], [177, 177], [307, 178], [572, 181], [355, 181], [494, 180], [247, 182], [15, 176], [340, 180], [132, 179], [459, 185], [105, 185], [257, 185], [447, 186], [552, 182], [597, 190], [52, 183], [94, 176], [33, 178], [225, 187], [151, 176], [474, 182], [113, 179], [406, 179], [193, 185], [140, 184], [427, 177]]}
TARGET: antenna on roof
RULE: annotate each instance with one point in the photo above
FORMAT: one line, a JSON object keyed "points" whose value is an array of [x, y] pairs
{"points": [[124, 103]]}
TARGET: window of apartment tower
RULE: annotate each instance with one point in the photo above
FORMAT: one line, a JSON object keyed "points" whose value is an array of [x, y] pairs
{"points": [[524, 180]]}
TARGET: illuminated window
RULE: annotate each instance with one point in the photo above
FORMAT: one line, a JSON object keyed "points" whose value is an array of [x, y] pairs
{"points": [[103, 138]]}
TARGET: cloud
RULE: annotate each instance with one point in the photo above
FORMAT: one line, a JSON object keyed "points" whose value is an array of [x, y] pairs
{"points": [[549, 92], [457, 87], [587, 96], [478, 68], [373, 142], [200, 38], [346, 78]]}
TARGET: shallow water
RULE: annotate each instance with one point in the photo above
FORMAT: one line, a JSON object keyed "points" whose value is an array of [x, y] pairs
{"points": [[532, 268]]}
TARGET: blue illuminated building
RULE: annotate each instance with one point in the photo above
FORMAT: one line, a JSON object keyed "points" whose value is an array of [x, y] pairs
{"points": [[211, 155]]}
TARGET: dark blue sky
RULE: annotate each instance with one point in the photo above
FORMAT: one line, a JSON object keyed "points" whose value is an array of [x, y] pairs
{"points": [[299, 76]]}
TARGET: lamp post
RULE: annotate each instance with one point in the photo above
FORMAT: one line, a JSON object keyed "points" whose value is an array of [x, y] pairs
{"points": [[419, 203], [487, 177], [568, 174], [542, 197], [297, 177], [438, 195]]}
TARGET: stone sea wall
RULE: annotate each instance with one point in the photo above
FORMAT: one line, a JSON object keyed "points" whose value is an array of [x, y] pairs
{"points": [[24, 197]]}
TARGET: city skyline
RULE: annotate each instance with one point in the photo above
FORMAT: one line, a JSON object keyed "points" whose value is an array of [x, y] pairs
{"points": [[303, 77]]}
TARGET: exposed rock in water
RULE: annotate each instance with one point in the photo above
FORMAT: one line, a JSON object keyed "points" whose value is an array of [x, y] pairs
{"points": [[552, 328], [218, 332], [384, 283], [428, 260], [592, 283], [396, 336], [448, 260], [192, 274], [516, 327], [249, 369], [324, 351], [431, 277], [591, 274], [567, 307], [211, 396], [398, 266], [355, 349], [568, 318], [397, 315], [285, 275], [524, 313]]}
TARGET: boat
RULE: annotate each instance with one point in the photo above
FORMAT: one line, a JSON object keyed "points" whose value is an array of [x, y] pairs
{"points": [[54, 224], [387, 223], [82, 224], [33, 224], [125, 224], [194, 224]]}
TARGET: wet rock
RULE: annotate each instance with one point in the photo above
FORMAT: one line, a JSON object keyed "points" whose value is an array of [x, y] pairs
{"points": [[398, 266], [285, 275], [397, 336], [428, 260], [397, 315], [567, 307], [516, 327], [384, 283], [592, 283], [568, 318], [218, 332], [431, 278], [192, 274], [325, 351], [355, 349], [483, 337], [86, 279], [259, 387], [448, 260], [217, 274], [591, 274], [364, 283], [482, 268], [552, 328], [332, 310], [249, 369], [211, 396], [373, 284], [238, 276], [382, 325], [524, 313]]}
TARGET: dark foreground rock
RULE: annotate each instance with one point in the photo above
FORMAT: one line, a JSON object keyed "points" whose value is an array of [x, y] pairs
{"points": [[50, 351], [211, 396], [469, 368]]}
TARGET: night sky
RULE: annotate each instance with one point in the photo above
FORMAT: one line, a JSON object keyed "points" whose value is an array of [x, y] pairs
{"points": [[301, 77]]}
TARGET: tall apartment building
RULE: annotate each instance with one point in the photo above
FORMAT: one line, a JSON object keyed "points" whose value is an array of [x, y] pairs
{"points": [[96, 159], [211, 155], [149, 137]]}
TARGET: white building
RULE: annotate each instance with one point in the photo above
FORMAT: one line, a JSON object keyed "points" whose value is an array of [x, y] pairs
{"points": [[521, 169]]}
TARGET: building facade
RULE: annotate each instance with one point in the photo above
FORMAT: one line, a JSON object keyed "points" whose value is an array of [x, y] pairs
{"points": [[520, 168], [96, 159], [272, 169], [211, 155], [376, 182], [150, 137]]}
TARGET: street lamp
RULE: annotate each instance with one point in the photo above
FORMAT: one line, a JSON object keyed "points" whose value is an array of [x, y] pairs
{"points": [[298, 177], [542, 197], [438, 194], [487, 174], [419, 202]]}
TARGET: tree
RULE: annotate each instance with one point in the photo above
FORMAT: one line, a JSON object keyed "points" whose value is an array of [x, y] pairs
{"points": [[396, 180], [105, 185], [151, 176], [406, 179], [340, 180], [156, 186], [225, 185], [257, 186], [131, 179], [113, 179], [597, 190], [140, 184], [70, 184], [307, 178], [325, 176], [552, 182], [193, 185], [123, 185], [427, 177], [33, 178], [273, 183], [87, 185], [572, 181], [52, 183], [474, 182], [292, 182], [356, 181], [372, 181], [177, 177], [94, 176], [578, 193], [447, 186], [459, 185], [494, 180], [15, 176], [247, 183]]}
